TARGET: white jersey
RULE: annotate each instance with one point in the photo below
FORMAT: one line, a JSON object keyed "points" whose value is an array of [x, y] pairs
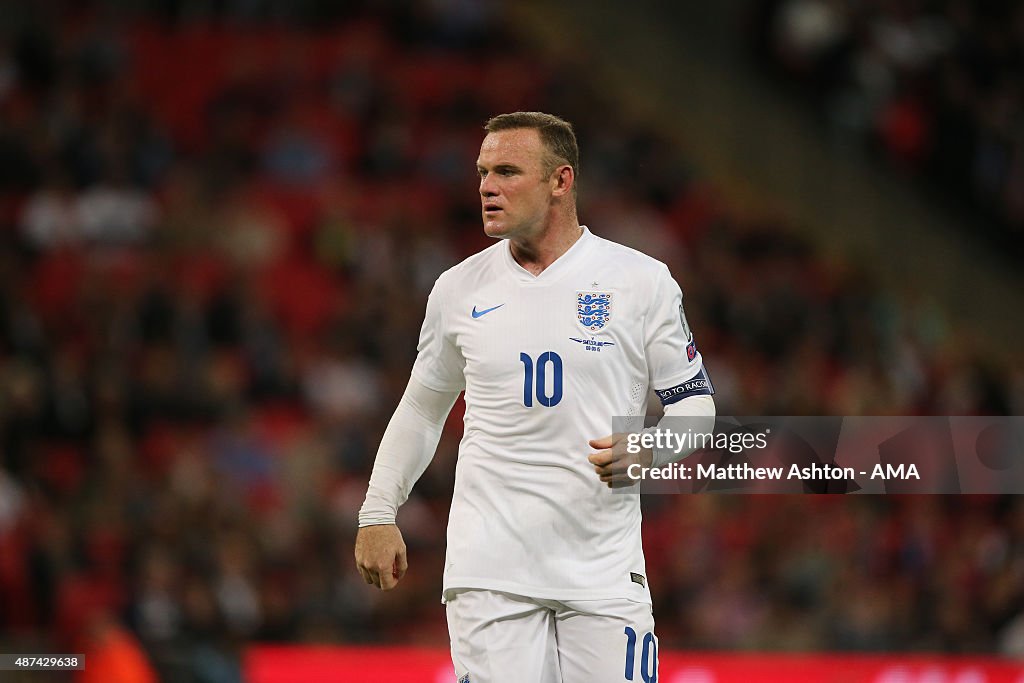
{"points": [[546, 362]]}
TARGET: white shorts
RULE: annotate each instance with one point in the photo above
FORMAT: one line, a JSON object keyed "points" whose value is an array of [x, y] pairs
{"points": [[505, 638]]}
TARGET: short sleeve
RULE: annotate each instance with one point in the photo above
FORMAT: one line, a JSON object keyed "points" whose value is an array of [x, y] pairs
{"points": [[439, 364], [675, 366]]}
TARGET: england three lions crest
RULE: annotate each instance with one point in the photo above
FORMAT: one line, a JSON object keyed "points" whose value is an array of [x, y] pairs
{"points": [[593, 309]]}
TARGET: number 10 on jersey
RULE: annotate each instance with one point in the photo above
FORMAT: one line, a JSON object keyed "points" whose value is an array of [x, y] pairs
{"points": [[536, 375]]}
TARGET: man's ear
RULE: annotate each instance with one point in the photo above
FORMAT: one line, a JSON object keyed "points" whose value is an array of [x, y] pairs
{"points": [[565, 179]]}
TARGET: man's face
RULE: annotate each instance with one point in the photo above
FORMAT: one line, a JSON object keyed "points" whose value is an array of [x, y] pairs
{"points": [[515, 191]]}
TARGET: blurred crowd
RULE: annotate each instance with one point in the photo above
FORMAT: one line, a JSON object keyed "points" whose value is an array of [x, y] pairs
{"points": [[220, 225], [936, 86]]}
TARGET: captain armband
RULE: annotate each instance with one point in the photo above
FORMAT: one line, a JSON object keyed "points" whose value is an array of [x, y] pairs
{"points": [[698, 385]]}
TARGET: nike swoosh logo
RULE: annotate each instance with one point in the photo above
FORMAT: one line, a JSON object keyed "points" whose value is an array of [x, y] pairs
{"points": [[477, 314]]}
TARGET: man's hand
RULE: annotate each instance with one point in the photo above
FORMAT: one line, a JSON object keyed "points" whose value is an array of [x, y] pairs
{"points": [[380, 555], [612, 461]]}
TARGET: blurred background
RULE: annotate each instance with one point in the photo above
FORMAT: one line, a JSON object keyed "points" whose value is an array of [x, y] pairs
{"points": [[219, 221]]}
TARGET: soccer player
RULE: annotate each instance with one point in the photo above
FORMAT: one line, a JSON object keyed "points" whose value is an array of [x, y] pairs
{"points": [[550, 332]]}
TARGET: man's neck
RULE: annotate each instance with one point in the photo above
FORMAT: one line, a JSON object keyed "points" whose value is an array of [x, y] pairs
{"points": [[537, 254]]}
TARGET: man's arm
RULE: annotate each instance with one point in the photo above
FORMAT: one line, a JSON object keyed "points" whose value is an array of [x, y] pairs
{"points": [[405, 451], [612, 461], [672, 355]]}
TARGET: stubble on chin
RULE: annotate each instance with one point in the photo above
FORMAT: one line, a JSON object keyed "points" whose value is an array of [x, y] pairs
{"points": [[495, 229]]}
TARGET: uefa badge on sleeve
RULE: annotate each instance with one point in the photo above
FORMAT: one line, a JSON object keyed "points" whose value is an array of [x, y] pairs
{"points": [[593, 310], [686, 325], [691, 350]]}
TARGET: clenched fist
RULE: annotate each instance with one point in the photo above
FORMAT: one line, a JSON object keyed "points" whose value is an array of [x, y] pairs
{"points": [[611, 462], [380, 555]]}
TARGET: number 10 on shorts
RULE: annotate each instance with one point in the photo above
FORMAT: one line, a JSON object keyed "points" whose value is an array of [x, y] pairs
{"points": [[648, 656]]}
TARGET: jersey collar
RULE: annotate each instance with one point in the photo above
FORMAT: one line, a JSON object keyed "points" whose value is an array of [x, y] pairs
{"points": [[561, 266]]}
